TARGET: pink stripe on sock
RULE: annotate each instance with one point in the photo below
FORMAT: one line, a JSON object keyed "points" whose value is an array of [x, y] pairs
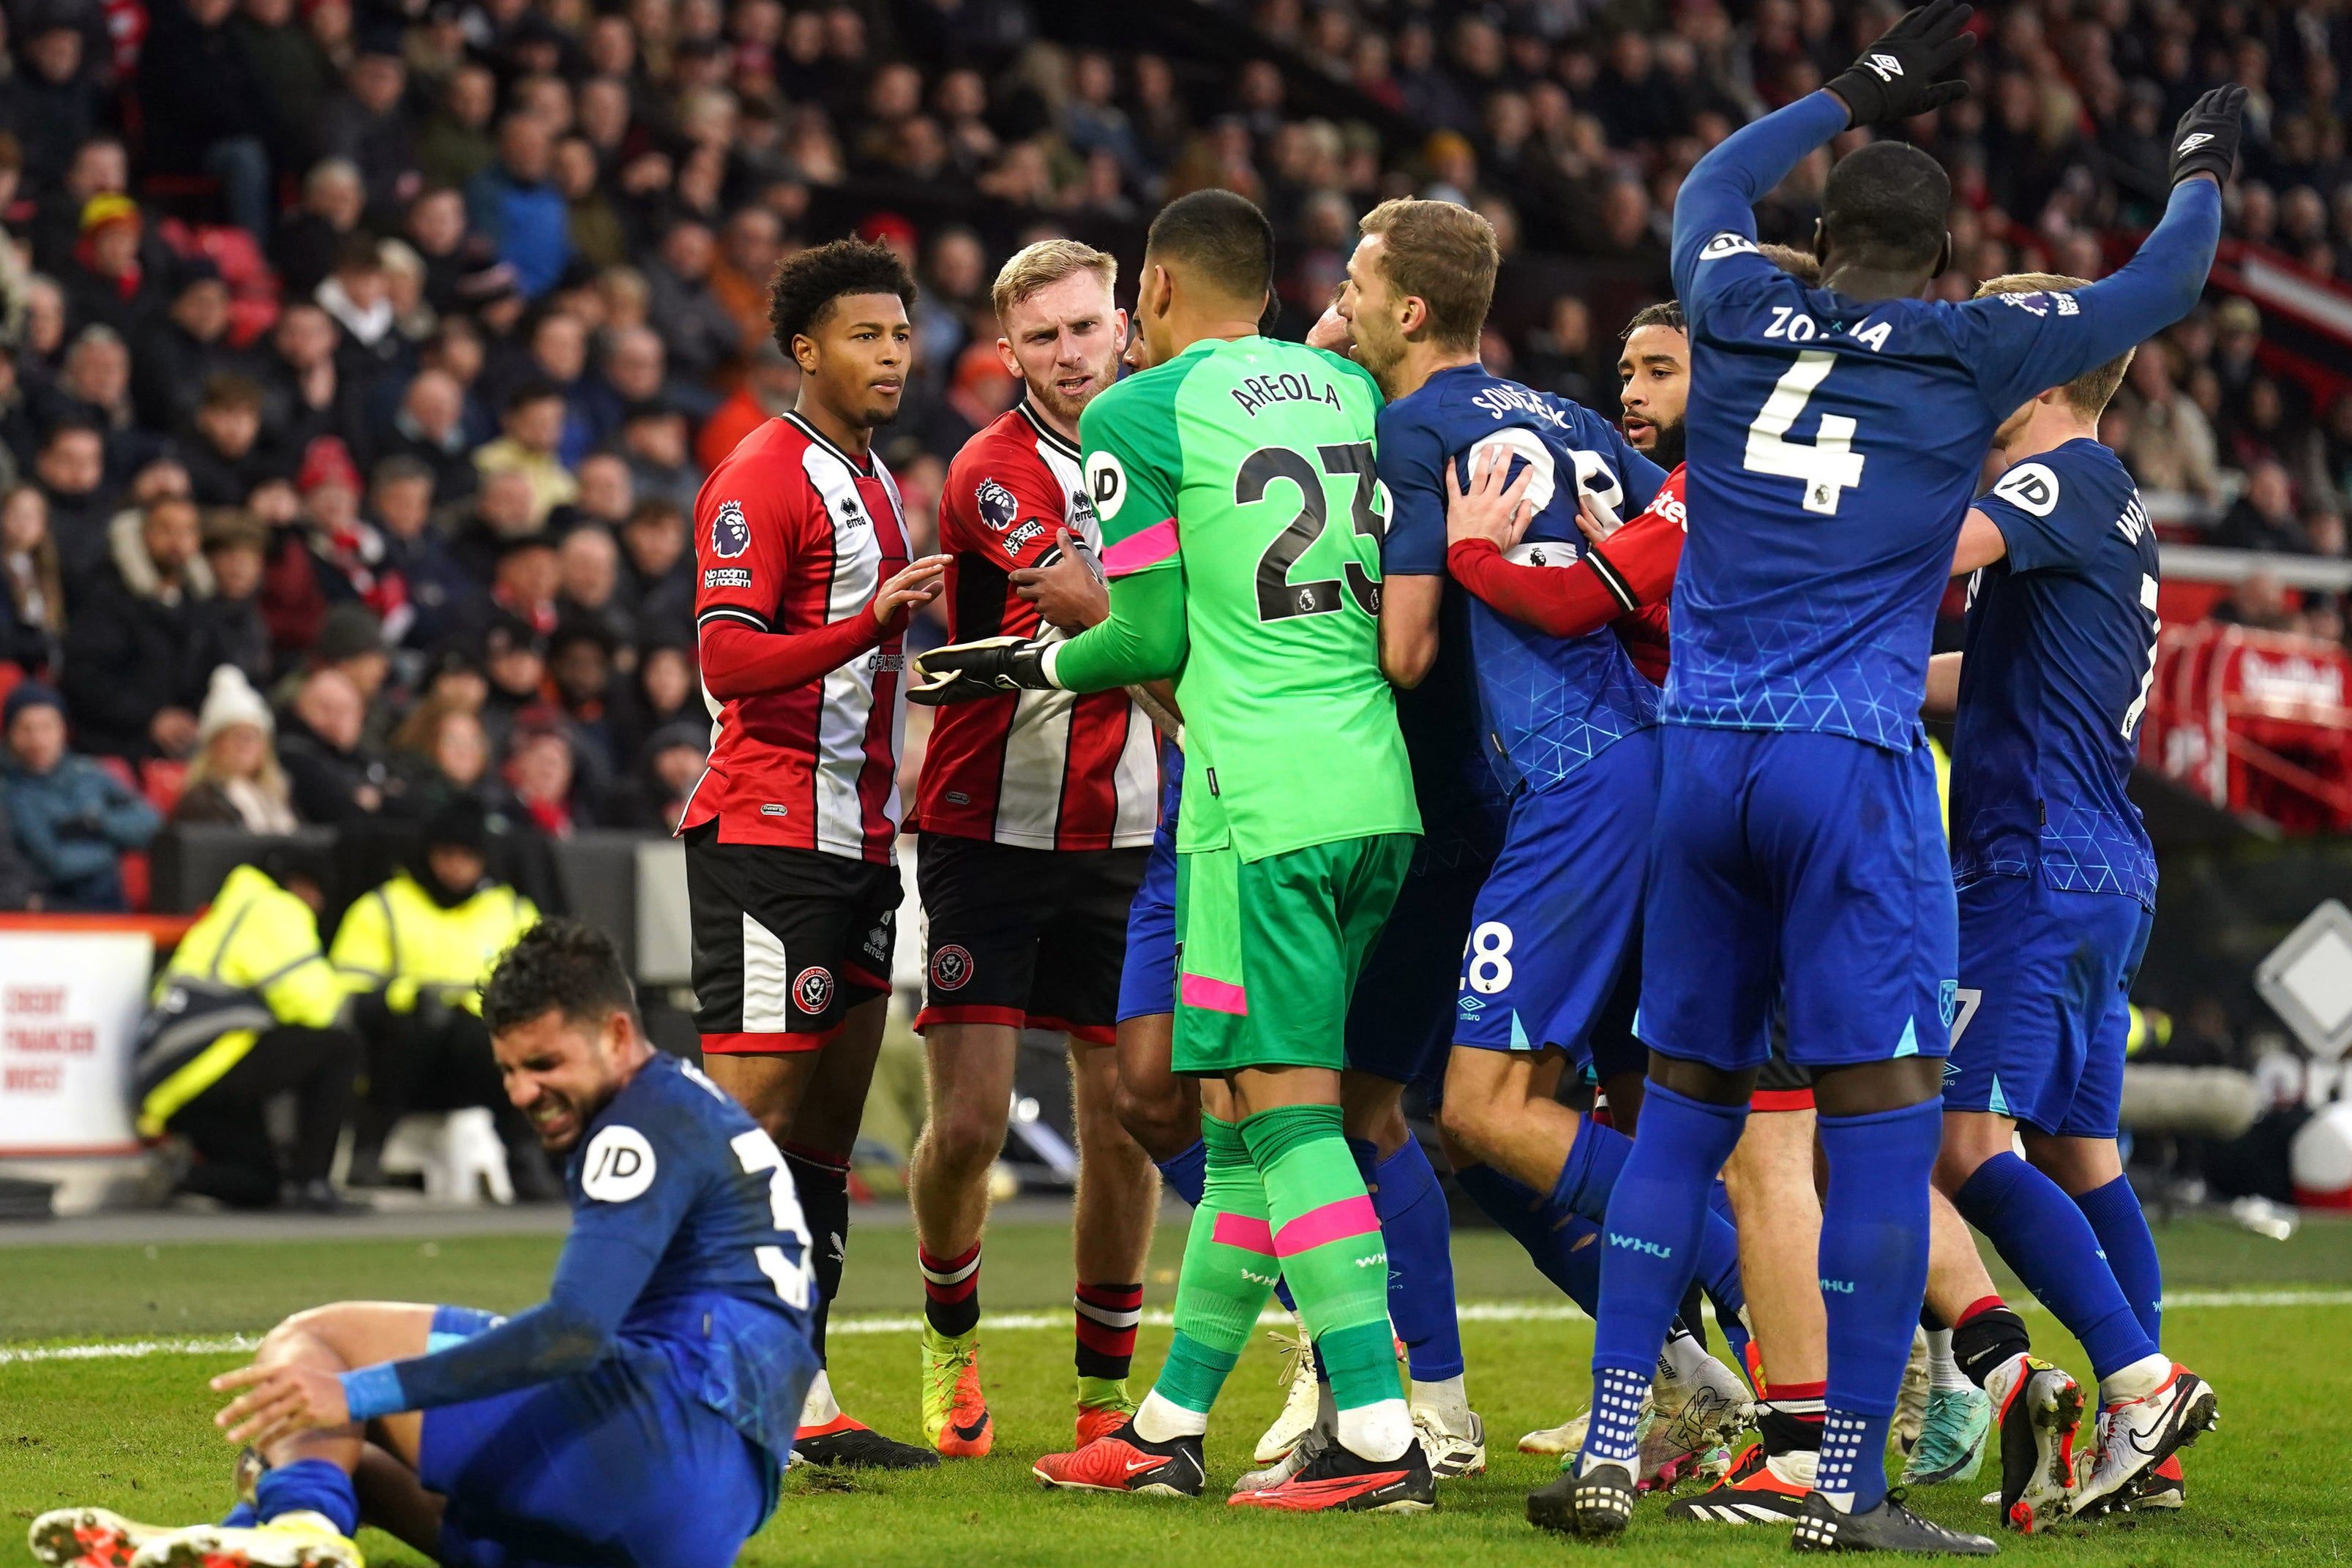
{"points": [[1148, 547], [1332, 1222], [1217, 996], [1240, 1230]]}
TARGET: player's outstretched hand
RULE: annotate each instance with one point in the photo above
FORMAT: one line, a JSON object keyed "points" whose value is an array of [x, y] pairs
{"points": [[1490, 509], [1068, 590], [2206, 140], [918, 583], [966, 672], [279, 1402], [1909, 70]]}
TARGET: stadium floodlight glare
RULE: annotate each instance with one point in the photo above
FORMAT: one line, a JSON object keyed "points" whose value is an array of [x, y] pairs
{"points": [[2307, 980]]}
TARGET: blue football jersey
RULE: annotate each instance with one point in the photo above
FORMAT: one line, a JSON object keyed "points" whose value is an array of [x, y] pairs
{"points": [[1545, 704], [2061, 648], [674, 1170], [1834, 445]]}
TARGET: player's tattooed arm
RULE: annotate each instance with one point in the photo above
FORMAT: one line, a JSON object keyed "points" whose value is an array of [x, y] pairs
{"points": [[1943, 680], [1068, 589], [1981, 544]]}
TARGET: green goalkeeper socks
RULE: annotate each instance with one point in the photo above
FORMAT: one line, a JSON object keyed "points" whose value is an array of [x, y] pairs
{"points": [[1327, 1241], [1229, 1271]]}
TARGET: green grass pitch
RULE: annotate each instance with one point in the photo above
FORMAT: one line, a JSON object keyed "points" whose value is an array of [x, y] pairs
{"points": [[131, 1433]]}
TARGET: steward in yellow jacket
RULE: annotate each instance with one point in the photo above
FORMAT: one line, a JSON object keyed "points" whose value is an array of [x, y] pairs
{"points": [[414, 952], [246, 1010]]}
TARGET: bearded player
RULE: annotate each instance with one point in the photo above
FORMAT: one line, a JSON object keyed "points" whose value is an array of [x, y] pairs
{"points": [[791, 835], [1036, 810]]}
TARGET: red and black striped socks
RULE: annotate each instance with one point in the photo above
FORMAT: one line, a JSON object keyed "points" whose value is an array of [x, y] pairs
{"points": [[1107, 1319], [951, 1290]]}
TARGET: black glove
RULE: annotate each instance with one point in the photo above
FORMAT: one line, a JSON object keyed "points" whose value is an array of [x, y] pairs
{"points": [[2206, 140], [1908, 71], [964, 672]]}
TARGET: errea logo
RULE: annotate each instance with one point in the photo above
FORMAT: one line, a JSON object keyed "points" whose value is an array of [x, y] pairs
{"points": [[1886, 67]]}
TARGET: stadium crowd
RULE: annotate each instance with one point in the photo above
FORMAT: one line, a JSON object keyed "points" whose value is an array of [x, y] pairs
{"points": [[361, 362]]}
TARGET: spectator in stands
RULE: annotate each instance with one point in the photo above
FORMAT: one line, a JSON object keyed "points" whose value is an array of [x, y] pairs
{"points": [[656, 566], [235, 777], [654, 444], [2264, 518], [534, 422], [335, 778], [439, 752], [310, 238], [430, 427], [71, 474], [31, 585], [222, 447], [72, 819], [510, 202], [19, 888], [500, 512], [247, 1013], [544, 780], [514, 666], [94, 384], [237, 547], [350, 643], [175, 351], [2172, 446], [606, 492], [588, 568], [664, 689], [440, 593], [305, 393], [414, 951], [653, 797], [203, 109], [2257, 601], [138, 652], [456, 143], [694, 326], [770, 384], [106, 285], [363, 125]]}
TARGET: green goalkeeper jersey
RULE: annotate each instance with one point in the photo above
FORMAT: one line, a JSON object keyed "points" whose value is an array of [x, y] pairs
{"points": [[1243, 470]]}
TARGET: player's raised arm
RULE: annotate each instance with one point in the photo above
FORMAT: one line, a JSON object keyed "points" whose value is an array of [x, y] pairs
{"points": [[1907, 71], [2025, 349]]}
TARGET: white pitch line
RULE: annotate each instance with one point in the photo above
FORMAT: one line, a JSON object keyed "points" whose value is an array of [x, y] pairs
{"points": [[1017, 1323]]}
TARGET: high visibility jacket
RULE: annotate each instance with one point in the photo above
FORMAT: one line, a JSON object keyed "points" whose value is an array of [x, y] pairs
{"points": [[251, 961], [397, 940]]}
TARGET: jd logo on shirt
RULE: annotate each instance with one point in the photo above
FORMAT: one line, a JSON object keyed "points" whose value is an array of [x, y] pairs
{"points": [[1106, 484], [619, 1165]]}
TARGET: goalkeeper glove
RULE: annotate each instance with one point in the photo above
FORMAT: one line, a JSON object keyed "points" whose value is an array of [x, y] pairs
{"points": [[964, 672], [2206, 140], [1898, 76]]}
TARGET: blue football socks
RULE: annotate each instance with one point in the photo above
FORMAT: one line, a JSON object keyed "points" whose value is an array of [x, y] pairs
{"points": [[2041, 1233], [1418, 1236], [2115, 1216], [308, 1484], [1567, 1254], [1874, 1274]]}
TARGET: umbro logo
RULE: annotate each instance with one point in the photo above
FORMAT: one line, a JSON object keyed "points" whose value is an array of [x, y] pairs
{"points": [[2191, 143], [1887, 67]]}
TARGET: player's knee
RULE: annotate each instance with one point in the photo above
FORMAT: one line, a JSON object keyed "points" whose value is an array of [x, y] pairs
{"points": [[1154, 1116], [1874, 1088], [1467, 1119], [965, 1139]]}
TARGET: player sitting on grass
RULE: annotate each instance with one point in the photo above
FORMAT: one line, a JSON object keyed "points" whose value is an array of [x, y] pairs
{"points": [[2057, 883], [1240, 508], [642, 1414], [1836, 438]]}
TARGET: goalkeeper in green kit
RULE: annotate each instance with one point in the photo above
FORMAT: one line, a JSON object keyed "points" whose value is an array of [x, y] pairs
{"points": [[1241, 524]]}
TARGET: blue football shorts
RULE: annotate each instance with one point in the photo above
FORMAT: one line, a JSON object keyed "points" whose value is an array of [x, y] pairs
{"points": [[1557, 928], [2044, 1004], [621, 1466], [1805, 867]]}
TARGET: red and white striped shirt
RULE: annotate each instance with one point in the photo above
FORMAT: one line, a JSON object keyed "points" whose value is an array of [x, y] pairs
{"points": [[1044, 770], [792, 537]]}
